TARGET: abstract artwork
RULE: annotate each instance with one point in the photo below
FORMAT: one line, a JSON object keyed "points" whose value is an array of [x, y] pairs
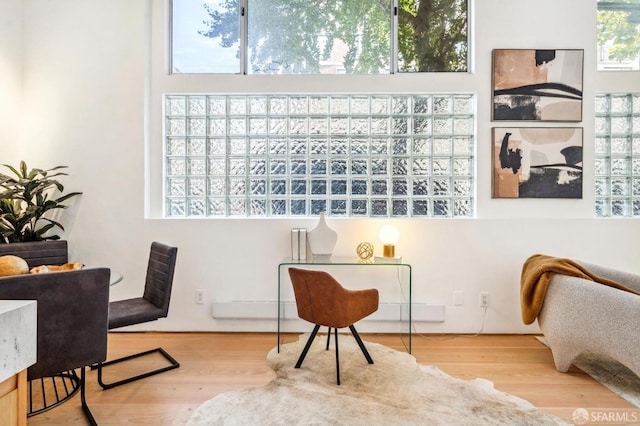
{"points": [[537, 85], [540, 162]]}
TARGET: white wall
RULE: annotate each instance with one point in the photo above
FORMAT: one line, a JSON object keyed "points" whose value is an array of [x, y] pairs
{"points": [[84, 86], [10, 80]]}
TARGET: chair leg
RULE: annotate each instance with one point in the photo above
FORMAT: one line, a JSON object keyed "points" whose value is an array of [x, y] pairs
{"points": [[307, 346], [362, 347], [337, 358], [329, 337], [174, 364], [83, 400]]}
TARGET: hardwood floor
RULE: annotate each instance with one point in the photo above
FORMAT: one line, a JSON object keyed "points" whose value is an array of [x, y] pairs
{"points": [[213, 363]]}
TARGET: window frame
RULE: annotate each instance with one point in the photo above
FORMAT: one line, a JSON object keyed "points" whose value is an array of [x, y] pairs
{"points": [[245, 11], [158, 81], [605, 65]]}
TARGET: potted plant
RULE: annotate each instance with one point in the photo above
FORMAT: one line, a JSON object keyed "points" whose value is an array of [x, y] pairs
{"points": [[26, 202]]}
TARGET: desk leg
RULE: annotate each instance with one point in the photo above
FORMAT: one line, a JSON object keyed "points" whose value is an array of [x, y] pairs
{"points": [[279, 307]]}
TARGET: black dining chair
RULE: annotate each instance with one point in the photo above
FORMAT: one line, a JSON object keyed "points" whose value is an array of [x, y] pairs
{"points": [[153, 304], [72, 324]]}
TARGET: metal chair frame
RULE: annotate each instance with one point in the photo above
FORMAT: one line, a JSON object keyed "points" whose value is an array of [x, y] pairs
{"points": [[155, 267]]}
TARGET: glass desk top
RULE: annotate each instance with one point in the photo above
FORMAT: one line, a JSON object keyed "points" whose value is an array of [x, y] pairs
{"points": [[344, 260]]}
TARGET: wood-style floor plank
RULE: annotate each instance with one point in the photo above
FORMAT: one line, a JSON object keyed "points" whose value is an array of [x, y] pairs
{"points": [[212, 363]]}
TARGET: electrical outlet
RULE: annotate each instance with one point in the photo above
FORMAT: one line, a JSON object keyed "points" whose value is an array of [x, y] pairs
{"points": [[458, 298], [484, 300], [199, 297]]}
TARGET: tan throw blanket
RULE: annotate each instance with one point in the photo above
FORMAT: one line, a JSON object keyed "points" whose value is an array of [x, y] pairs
{"points": [[538, 270]]}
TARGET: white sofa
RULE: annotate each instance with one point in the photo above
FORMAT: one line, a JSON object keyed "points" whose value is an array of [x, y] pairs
{"points": [[580, 315]]}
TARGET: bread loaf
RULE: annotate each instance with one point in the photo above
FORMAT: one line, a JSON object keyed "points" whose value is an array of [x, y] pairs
{"points": [[12, 265]]}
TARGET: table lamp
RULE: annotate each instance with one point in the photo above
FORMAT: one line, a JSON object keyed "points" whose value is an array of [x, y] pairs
{"points": [[389, 235]]}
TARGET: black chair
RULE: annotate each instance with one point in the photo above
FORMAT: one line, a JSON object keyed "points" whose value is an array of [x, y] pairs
{"points": [[71, 323], [154, 304]]}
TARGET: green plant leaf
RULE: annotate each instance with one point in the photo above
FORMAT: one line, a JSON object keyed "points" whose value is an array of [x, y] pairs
{"points": [[23, 170], [25, 201], [12, 169], [67, 196]]}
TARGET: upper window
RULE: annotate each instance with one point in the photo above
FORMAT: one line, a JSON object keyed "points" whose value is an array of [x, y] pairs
{"points": [[618, 35], [303, 37]]}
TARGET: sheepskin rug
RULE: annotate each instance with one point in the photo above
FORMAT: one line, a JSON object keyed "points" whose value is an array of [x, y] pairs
{"points": [[395, 390]]}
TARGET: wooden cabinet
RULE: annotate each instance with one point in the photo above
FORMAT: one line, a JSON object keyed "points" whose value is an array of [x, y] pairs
{"points": [[13, 400]]}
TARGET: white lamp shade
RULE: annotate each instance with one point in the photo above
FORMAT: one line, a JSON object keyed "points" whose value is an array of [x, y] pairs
{"points": [[389, 234]]}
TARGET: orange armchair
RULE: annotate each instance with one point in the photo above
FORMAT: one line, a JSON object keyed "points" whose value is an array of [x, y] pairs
{"points": [[323, 301]]}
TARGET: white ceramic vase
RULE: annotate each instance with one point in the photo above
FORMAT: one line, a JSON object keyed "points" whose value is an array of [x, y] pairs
{"points": [[322, 239]]}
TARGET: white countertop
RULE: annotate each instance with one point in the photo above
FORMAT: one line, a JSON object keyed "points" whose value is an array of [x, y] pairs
{"points": [[18, 336]]}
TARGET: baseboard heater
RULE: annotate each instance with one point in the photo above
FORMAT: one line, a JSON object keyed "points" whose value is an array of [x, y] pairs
{"points": [[420, 312]]}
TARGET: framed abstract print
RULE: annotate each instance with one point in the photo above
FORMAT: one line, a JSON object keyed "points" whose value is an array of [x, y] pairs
{"points": [[537, 162], [537, 85]]}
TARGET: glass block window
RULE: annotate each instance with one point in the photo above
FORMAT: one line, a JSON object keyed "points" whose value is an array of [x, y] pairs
{"points": [[617, 155], [299, 155]]}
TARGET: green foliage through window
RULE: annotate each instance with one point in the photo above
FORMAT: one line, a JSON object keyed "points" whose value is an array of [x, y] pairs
{"points": [[432, 35], [619, 34], [321, 37]]}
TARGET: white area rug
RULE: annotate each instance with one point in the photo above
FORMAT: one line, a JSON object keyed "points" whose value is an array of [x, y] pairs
{"points": [[613, 375], [396, 390]]}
